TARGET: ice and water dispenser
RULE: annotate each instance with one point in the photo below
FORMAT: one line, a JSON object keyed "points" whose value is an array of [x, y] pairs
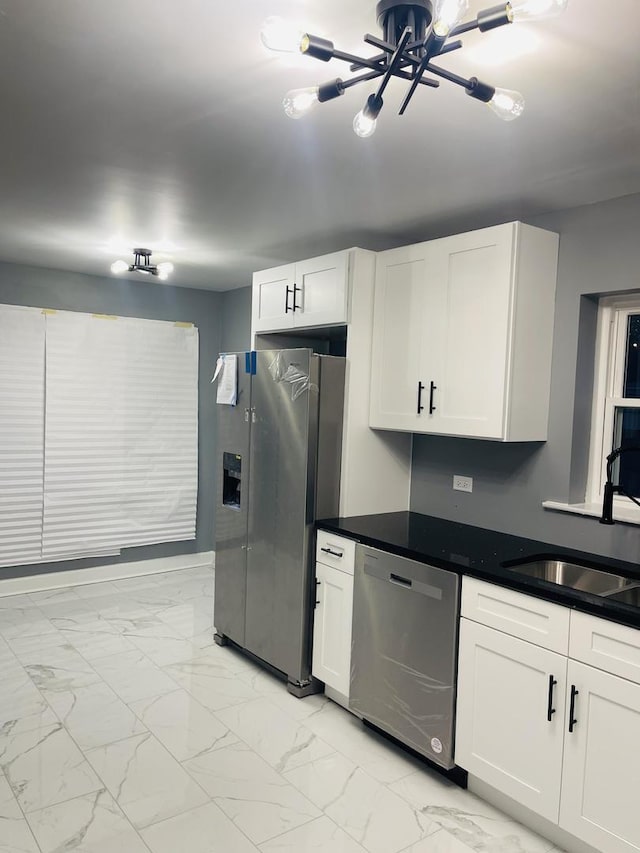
{"points": [[231, 480]]}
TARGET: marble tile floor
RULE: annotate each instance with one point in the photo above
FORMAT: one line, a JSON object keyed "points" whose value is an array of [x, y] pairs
{"points": [[124, 729]]}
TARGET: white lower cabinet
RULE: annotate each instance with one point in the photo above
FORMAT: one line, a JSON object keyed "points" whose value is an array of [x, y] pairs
{"points": [[600, 800], [333, 613], [511, 716], [555, 734]]}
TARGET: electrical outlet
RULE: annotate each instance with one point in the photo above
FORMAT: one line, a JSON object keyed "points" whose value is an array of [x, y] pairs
{"points": [[462, 484]]}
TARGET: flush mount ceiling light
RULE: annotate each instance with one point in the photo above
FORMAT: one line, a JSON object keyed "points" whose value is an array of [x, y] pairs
{"points": [[142, 264], [415, 32]]}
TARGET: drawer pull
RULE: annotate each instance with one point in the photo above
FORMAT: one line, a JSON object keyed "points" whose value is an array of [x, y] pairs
{"points": [[333, 553], [550, 709], [572, 720]]}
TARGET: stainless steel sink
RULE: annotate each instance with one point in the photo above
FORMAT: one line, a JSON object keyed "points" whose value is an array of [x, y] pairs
{"points": [[573, 576], [630, 595]]}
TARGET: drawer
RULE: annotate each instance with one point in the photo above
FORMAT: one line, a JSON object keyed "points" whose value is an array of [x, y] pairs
{"points": [[605, 645], [335, 551], [516, 613]]}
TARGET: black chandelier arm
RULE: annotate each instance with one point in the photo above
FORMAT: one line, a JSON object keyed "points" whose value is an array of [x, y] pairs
{"points": [[487, 19], [432, 46], [389, 49], [473, 87], [357, 62], [361, 78], [373, 75], [408, 58], [461, 29], [449, 47], [378, 68], [449, 75], [394, 63]]}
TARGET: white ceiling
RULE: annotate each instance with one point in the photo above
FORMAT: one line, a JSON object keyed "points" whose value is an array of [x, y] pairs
{"points": [[159, 123]]}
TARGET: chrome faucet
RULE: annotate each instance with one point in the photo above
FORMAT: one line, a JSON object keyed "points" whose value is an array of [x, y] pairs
{"points": [[610, 489]]}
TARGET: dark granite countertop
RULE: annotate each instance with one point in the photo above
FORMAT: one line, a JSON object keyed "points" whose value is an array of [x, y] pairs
{"points": [[484, 554]]}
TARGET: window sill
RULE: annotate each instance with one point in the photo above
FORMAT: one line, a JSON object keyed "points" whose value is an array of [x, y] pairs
{"points": [[623, 515]]}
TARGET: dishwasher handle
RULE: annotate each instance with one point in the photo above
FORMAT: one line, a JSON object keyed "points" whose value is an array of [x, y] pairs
{"points": [[375, 568], [397, 579]]}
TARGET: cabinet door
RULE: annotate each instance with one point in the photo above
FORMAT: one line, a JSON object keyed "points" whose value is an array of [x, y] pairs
{"points": [[601, 774], [475, 271], [406, 313], [272, 299], [503, 732], [321, 291], [332, 627]]}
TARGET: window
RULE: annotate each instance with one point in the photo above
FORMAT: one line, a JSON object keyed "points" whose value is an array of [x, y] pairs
{"points": [[98, 434], [616, 410]]}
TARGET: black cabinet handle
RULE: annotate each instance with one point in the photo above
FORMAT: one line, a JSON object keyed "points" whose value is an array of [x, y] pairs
{"points": [[333, 553], [316, 595], [420, 390], [295, 290], [286, 300], [572, 708], [432, 408], [550, 709]]}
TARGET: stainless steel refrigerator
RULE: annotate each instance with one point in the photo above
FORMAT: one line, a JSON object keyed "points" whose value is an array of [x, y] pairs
{"points": [[278, 470]]}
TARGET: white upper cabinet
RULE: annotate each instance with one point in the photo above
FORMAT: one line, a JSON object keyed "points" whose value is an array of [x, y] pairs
{"points": [[462, 335], [272, 306], [404, 310], [303, 295]]}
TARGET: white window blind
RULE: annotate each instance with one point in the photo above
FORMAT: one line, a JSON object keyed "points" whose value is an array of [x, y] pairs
{"points": [[121, 440], [84, 435], [98, 434], [22, 338], [161, 437]]}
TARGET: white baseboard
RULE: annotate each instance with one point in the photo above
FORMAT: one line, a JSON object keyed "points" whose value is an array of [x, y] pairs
{"points": [[110, 572], [562, 839]]}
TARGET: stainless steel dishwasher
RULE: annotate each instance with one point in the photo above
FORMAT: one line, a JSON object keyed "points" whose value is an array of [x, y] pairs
{"points": [[403, 662]]}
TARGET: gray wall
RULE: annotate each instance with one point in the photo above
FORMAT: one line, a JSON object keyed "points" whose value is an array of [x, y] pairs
{"points": [[599, 254], [22, 285], [236, 320]]}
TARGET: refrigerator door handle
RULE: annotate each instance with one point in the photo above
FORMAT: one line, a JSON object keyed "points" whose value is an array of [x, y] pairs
{"points": [[253, 416], [246, 416]]}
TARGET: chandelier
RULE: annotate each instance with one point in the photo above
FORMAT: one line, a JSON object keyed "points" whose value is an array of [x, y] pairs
{"points": [[142, 264], [415, 33]]}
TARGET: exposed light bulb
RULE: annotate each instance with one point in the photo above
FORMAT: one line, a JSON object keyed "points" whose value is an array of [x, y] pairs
{"points": [[165, 268], [364, 125], [280, 35], [298, 102], [448, 13], [119, 266], [536, 10], [506, 104], [163, 276]]}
